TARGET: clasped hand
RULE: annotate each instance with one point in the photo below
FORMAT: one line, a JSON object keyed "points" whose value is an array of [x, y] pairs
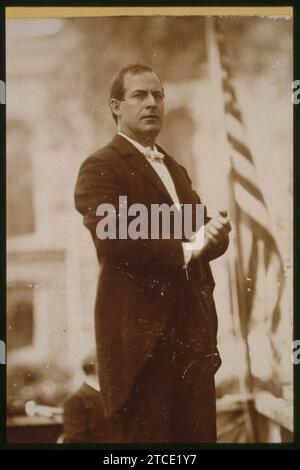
{"points": [[215, 233]]}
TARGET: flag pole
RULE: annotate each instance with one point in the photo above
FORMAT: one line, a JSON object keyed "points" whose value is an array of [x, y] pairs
{"points": [[216, 77]]}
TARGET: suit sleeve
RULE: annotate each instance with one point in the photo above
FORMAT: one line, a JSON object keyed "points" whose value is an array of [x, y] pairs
{"points": [[215, 251], [76, 423], [97, 184]]}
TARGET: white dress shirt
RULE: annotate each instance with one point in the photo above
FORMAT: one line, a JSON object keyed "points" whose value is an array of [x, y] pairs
{"points": [[92, 382], [164, 174]]}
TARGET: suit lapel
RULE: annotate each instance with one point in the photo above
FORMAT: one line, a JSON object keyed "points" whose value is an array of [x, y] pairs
{"points": [[137, 160], [183, 188]]}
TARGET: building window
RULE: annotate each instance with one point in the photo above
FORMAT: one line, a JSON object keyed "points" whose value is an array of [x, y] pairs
{"points": [[20, 218], [20, 320]]}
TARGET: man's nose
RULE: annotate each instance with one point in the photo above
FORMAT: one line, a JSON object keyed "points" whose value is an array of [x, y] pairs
{"points": [[150, 101]]}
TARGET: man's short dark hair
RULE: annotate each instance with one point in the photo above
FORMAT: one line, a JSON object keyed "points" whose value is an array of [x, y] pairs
{"points": [[117, 87], [89, 365]]}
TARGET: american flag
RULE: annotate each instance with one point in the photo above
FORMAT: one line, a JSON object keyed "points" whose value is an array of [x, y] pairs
{"points": [[258, 262]]}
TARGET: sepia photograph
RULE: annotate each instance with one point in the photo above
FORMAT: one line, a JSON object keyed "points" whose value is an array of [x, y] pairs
{"points": [[149, 202]]}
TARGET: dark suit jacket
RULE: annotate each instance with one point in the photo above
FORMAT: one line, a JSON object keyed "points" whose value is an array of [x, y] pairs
{"points": [[84, 419], [139, 279]]}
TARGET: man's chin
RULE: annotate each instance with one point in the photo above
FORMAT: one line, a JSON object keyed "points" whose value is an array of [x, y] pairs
{"points": [[151, 128]]}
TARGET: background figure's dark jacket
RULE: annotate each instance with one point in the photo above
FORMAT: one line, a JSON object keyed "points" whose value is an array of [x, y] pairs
{"points": [[84, 419], [139, 279]]}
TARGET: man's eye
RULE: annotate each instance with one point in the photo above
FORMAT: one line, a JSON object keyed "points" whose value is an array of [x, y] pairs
{"points": [[158, 96], [138, 95]]}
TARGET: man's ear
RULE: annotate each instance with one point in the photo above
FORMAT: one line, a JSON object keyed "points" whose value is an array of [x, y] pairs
{"points": [[114, 105]]}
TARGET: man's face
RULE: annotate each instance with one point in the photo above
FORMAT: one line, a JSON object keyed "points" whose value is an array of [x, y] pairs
{"points": [[142, 108]]}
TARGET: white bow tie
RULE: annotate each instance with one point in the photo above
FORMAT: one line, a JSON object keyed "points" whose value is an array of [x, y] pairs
{"points": [[154, 155]]}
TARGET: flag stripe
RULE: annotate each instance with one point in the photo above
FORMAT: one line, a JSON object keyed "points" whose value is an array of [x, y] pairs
{"points": [[235, 126], [239, 146], [249, 204], [248, 186], [243, 166], [231, 108], [229, 89]]}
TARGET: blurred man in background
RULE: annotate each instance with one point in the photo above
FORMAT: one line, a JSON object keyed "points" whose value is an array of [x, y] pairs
{"points": [[84, 419], [156, 322]]}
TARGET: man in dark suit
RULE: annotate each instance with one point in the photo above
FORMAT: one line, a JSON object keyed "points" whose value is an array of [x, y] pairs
{"points": [[156, 322], [84, 419]]}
